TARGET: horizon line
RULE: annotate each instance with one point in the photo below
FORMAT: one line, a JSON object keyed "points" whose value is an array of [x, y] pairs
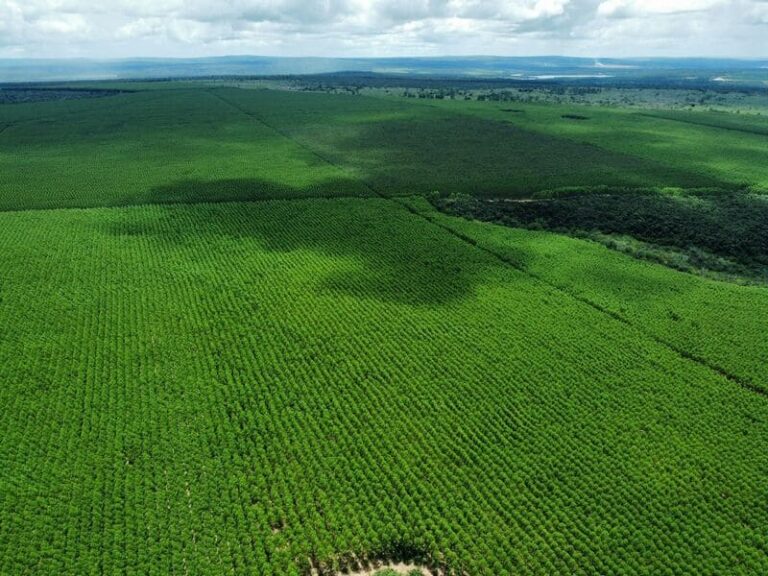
{"points": [[410, 57]]}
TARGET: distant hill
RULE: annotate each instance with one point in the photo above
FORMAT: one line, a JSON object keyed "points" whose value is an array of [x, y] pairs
{"points": [[753, 72]]}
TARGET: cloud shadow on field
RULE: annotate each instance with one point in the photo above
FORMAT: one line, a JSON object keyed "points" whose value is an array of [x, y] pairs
{"points": [[482, 157], [250, 189], [383, 251]]}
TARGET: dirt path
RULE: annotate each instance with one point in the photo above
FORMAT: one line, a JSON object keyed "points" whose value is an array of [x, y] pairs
{"points": [[400, 568]]}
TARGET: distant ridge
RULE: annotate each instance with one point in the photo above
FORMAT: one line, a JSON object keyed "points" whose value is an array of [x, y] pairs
{"points": [[46, 70]]}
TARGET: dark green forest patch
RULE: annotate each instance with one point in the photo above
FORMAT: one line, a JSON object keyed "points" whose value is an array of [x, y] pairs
{"points": [[707, 230]]}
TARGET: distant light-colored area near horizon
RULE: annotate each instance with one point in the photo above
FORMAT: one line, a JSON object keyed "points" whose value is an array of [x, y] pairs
{"points": [[742, 72], [363, 28]]}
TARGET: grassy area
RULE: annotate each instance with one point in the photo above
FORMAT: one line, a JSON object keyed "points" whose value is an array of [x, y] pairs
{"points": [[266, 387], [664, 95]]}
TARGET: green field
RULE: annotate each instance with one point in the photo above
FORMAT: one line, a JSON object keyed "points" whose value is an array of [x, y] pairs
{"points": [[717, 323], [227, 144], [236, 340], [727, 148], [167, 146]]}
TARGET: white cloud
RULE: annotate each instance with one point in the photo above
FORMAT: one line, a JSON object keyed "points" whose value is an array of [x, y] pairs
{"points": [[627, 8], [377, 27], [64, 24], [140, 28], [759, 12]]}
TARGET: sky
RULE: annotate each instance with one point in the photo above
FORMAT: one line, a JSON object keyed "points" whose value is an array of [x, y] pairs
{"points": [[362, 28]]}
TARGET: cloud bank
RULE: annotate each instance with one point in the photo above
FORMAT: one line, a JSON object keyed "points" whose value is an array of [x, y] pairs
{"points": [[121, 28]]}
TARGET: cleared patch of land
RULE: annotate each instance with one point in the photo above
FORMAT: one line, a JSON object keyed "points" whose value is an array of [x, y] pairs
{"points": [[391, 570]]}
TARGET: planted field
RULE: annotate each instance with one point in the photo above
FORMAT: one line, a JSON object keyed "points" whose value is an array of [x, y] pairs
{"points": [[721, 324], [705, 146], [332, 374], [272, 387], [748, 123], [192, 145], [402, 148], [154, 147]]}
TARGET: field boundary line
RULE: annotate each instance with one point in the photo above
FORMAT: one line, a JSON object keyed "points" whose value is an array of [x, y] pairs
{"points": [[755, 132], [684, 354], [301, 145], [171, 203]]}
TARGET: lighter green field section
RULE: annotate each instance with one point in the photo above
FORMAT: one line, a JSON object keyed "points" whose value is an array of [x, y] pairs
{"points": [[156, 147], [240, 388], [722, 324]]}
